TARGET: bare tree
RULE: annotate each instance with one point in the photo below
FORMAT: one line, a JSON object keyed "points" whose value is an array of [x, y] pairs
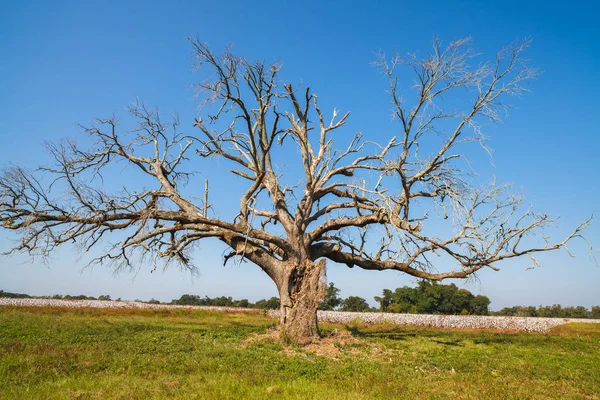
{"points": [[362, 205]]}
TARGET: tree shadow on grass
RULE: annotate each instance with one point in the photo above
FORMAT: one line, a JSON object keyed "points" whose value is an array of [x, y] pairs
{"points": [[500, 339], [382, 334], [453, 342], [446, 338]]}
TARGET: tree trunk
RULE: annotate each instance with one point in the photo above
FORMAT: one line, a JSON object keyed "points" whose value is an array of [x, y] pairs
{"points": [[300, 297]]}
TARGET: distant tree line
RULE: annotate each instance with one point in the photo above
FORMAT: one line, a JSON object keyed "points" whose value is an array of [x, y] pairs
{"points": [[223, 301], [426, 298], [81, 297], [555, 311], [14, 295], [56, 296]]}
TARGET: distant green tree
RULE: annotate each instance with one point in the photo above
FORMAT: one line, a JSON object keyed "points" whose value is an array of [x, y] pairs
{"points": [[355, 303], [243, 303], [462, 300], [578, 312], [271, 304], [104, 297], [432, 298], [189, 300], [331, 300], [480, 305], [406, 295], [385, 300], [518, 311], [220, 301], [402, 308], [153, 301], [78, 297], [14, 295], [553, 311]]}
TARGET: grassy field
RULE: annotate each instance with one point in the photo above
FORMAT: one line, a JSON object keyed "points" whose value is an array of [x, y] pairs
{"points": [[59, 353]]}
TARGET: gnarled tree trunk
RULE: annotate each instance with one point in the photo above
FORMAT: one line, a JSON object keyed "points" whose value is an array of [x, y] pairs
{"points": [[300, 292]]}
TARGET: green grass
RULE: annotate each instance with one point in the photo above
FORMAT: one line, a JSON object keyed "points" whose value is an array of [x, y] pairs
{"points": [[55, 353]]}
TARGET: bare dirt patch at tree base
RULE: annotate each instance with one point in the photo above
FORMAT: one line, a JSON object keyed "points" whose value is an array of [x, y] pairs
{"points": [[334, 345]]}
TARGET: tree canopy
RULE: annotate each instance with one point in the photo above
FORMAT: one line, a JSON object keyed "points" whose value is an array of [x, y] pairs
{"points": [[360, 203]]}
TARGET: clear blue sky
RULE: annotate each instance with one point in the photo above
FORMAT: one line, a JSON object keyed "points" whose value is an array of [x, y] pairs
{"points": [[64, 63]]}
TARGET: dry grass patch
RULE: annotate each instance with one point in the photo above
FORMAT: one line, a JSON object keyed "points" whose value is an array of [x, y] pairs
{"points": [[577, 329]]}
